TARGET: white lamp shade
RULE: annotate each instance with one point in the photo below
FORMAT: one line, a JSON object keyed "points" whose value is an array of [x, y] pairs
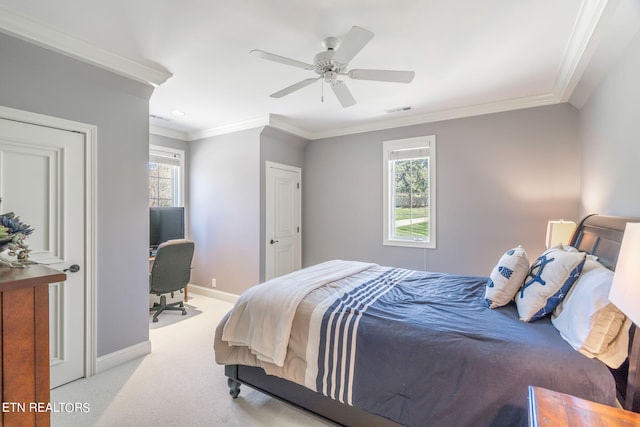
{"points": [[559, 232], [625, 289]]}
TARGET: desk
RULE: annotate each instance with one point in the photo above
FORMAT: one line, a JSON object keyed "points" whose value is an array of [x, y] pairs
{"points": [[24, 347], [553, 409]]}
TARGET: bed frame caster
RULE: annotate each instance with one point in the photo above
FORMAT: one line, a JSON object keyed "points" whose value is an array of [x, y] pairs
{"points": [[234, 387]]}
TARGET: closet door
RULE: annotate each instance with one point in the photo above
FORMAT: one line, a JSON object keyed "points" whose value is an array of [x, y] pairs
{"points": [[282, 218]]}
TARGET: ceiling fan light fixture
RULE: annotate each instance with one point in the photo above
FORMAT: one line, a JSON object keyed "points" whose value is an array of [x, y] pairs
{"points": [[330, 76], [333, 62]]}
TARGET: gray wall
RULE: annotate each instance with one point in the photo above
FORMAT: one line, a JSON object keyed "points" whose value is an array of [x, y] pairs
{"points": [[500, 178], [37, 80], [227, 200], [610, 133], [165, 141], [224, 206]]}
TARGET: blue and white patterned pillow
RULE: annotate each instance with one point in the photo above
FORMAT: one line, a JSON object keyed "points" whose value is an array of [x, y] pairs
{"points": [[549, 279], [507, 277]]}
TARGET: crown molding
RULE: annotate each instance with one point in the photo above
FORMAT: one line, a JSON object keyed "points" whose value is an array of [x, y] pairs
{"points": [[37, 33], [230, 128], [437, 116], [281, 123], [169, 133], [273, 120], [618, 29], [585, 37]]}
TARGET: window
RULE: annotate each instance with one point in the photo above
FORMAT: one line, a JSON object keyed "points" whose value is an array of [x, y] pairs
{"points": [[409, 193], [166, 172]]}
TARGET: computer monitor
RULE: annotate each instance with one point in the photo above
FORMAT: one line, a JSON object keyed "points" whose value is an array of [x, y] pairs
{"points": [[166, 223]]}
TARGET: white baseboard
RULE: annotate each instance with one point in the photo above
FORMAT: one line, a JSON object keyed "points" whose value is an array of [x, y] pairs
{"points": [[111, 360], [214, 293], [125, 355]]}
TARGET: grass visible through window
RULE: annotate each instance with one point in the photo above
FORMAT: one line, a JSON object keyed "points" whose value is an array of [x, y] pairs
{"points": [[411, 222]]}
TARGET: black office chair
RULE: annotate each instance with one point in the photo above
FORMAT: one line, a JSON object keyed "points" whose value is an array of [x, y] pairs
{"points": [[171, 272]]}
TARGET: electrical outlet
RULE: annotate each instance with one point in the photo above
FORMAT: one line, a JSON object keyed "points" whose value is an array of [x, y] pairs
{"points": [[213, 283]]}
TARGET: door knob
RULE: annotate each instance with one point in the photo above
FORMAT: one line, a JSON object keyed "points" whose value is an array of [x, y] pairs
{"points": [[72, 268], [273, 241]]}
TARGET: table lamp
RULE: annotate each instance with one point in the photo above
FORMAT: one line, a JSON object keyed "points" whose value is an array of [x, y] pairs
{"points": [[559, 232], [625, 294]]}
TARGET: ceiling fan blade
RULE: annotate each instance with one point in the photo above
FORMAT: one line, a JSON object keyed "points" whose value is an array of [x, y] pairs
{"points": [[353, 43], [343, 94], [294, 87], [382, 75], [281, 59]]}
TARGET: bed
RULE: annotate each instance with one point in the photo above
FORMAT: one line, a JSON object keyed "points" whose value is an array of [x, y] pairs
{"points": [[367, 345]]}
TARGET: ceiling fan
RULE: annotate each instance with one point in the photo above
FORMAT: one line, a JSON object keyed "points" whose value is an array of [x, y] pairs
{"points": [[333, 63]]}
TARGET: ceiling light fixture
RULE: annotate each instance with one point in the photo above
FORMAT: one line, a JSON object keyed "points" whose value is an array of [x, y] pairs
{"points": [[178, 113]]}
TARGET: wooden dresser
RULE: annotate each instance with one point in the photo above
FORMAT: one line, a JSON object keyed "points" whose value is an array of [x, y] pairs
{"points": [[553, 409], [24, 347]]}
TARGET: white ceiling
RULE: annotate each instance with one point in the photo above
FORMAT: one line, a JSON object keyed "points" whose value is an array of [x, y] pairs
{"points": [[470, 57]]}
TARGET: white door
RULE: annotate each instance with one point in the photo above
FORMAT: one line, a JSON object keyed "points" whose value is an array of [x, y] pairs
{"points": [[42, 180], [283, 220]]}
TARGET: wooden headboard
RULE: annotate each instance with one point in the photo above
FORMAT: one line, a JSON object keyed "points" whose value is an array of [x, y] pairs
{"points": [[601, 236]]}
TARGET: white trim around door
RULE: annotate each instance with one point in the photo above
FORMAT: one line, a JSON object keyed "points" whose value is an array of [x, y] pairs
{"points": [[91, 134], [283, 218]]}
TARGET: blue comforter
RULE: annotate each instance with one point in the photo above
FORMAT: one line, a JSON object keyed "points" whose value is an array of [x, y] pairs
{"points": [[422, 349]]}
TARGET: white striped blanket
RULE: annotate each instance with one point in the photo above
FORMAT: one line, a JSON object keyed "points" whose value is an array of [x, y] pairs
{"points": [[263, 315]]}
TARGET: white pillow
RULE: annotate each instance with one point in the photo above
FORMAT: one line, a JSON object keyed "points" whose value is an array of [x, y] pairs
{"points": [[506, 277], [588, 321], [549, 279]]}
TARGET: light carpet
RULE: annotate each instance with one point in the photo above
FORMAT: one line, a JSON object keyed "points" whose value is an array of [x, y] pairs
{"points": [[178, 384]]}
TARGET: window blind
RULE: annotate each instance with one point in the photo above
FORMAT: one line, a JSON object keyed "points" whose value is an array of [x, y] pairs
{"points": [[164, 158], [409, 153]]}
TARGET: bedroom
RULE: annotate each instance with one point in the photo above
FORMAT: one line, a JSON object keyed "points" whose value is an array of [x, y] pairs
{"points": [[598, 175]]}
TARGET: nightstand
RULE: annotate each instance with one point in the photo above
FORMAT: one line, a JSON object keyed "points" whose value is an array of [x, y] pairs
{"points": [[552, 409]]}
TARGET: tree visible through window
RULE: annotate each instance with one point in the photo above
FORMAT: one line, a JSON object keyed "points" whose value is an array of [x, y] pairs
{"points": [[409, 181], [165, 176], [162, 179], [411, 186]]}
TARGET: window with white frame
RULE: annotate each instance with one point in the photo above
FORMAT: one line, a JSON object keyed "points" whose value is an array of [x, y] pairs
{"points": [[166, 176], [409, 170]]}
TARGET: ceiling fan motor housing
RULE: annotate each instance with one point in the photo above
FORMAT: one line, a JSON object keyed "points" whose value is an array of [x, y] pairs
{"points": [[323, 61], [330, 43]]}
